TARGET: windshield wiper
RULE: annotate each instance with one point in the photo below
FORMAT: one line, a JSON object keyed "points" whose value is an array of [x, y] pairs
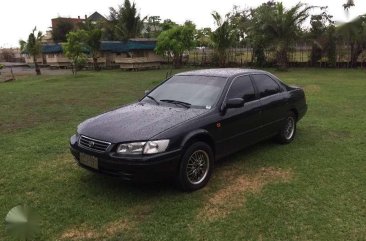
{"points": [[149, 96], [177, 102]]}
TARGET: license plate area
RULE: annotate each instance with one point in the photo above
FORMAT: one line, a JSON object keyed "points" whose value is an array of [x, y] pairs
{"points": [[89, 161]]}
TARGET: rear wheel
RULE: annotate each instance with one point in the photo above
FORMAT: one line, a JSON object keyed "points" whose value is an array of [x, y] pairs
{"points": [[195, 167], [288, 130]]}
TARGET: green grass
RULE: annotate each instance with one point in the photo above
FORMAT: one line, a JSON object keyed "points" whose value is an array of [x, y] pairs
{"points": [[312, 189]]}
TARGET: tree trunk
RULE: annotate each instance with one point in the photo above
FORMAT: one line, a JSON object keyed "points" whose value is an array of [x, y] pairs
{"points": [[316, 54], [258, 56], [282, 60], [177, 60], [95, 63], [222, 58], [36, 66], [356, 50]]}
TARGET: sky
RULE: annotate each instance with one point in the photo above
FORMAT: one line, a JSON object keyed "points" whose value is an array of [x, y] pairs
{"points": [[19, 17]]}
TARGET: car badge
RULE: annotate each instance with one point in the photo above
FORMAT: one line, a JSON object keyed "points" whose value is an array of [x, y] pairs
{"points": [[91, 143]]}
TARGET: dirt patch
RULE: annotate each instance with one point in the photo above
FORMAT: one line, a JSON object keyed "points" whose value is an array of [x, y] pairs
{"points": [[104, 233], [111, 229], [231, 197], [83, 233]]}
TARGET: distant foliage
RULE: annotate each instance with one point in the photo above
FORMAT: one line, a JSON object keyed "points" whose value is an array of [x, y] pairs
{"points": [[75, 49], [7, 55], [354, 34], [60, 31], [280, 27], [33, 47], [126, 22], [203, 37], [153, 28], [223, 37], [348, 4], [175, 41]]}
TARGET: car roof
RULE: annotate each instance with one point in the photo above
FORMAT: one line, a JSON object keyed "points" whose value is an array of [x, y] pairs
{"points": [[223, 72]]}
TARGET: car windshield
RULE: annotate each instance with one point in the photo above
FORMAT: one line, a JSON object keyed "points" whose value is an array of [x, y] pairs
{"points": [[199, 91]]}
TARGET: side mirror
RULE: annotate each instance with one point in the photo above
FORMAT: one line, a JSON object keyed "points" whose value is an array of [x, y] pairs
{"points": [[146, 92], [235, 103]]}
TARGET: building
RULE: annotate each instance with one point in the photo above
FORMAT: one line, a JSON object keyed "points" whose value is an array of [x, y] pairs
{"points": [[132, 55], [96, 17], [73, 23], [54, 56], [10, 55]]}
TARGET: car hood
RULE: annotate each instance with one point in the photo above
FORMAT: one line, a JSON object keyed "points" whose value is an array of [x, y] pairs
{"points": [[136, 122]]}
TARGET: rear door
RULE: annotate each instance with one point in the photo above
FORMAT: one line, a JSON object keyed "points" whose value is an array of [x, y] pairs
{"points": [[273, 103], [238, 125]]}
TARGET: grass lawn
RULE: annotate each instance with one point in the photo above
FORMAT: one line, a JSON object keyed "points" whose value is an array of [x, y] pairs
{"points": [[312, 189]]}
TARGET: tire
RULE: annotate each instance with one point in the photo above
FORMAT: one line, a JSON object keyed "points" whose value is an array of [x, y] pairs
{"points": [[288, 130], [195, 167]]}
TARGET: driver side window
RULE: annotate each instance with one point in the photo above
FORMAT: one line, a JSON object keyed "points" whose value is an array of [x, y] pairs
{"points": [[242, 87]]}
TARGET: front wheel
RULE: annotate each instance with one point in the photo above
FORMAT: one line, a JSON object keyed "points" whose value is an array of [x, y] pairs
{"points": [[196, 167], [288, 130]]}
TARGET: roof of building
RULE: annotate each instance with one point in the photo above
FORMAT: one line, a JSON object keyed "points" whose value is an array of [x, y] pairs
{"points": [[123, 47], [51, 48], [224, 72], [96, 17], [108, 46]]}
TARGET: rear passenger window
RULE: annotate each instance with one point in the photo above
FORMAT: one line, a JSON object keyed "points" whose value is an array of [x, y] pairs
{"points": [[242, 87], [266, 85]]}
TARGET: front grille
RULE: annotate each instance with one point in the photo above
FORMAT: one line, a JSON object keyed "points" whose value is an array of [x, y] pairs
{"points": [[93, 144]]}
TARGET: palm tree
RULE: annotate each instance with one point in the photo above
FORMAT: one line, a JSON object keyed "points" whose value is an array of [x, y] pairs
{"points": [[93, 37], [93, 42], [223, 37], [128, 23], [348, 4], [354, 34], [33, 47], [283, 26]]}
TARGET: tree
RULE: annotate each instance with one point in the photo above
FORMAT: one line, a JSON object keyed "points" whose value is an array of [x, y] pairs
{"points": [[322, 35], [203, 37], [259, 41], [167, 24], [61, 29], [33, 47], [152, 27], [222, 38], [354, 34], [348, 4], [282, 27], [128, 23], [75, 48], [93, 36], [7, 55], [108, 26], [175, 41], [240, 21]]}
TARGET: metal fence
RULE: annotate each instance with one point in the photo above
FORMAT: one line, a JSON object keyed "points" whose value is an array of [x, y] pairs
{"points": [[299, 55]]}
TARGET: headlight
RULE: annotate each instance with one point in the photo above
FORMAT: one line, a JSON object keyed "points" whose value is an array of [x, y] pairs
{"points": [[153, 147], [131, 148], [150, 147]]}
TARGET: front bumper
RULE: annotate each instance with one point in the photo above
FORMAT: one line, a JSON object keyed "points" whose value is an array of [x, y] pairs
{"points": [[131, 168]]}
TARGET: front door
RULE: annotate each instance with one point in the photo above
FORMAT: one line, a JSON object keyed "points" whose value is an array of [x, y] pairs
{"points": [[238, 126]]}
